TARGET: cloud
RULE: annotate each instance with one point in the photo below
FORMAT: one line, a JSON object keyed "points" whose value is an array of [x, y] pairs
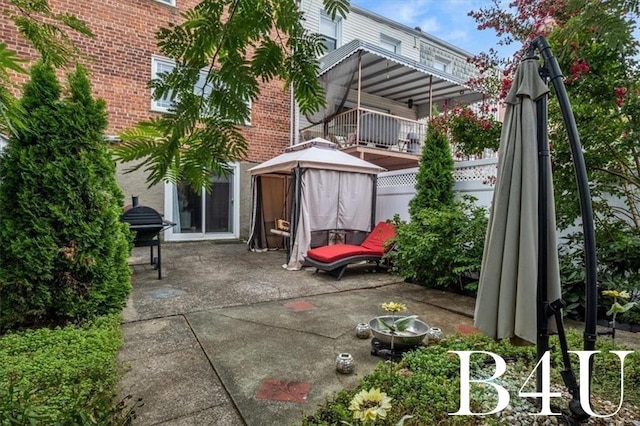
{"points": [[457, 36], [430, 25]]}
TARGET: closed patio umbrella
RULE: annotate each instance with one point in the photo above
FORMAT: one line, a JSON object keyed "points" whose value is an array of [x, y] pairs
{"points": [[519, 285], [506, 302]]}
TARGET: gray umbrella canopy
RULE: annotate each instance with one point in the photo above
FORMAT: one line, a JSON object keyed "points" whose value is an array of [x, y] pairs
{"points": [[506, 301]]}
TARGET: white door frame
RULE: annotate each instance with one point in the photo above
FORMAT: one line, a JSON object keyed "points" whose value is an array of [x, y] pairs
{"points": [[170, 235]]}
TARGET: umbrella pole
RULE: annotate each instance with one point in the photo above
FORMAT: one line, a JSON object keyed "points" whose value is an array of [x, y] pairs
{"points": [[546, 309], [542, 318], [555, 75]]}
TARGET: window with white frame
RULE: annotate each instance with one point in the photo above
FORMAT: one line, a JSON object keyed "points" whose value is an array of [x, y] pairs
{"points": [[169, 2], [163, 66], [330, 30], [390, 43], [441, 64]]}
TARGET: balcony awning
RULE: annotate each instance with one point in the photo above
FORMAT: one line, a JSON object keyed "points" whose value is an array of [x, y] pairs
{"points": [[389, 75]]}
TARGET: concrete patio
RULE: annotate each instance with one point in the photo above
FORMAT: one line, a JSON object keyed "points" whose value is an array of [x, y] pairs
{"points": [[228, 337]]}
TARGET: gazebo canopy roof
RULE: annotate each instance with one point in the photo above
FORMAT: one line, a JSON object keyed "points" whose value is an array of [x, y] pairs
{"points": [[316, 153]]}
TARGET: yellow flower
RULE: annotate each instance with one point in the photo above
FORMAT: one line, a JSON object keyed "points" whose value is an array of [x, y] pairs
{"points": [[394, 307], [367, 406], [617, 294]]}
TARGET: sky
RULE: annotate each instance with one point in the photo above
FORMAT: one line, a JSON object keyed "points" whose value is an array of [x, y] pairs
{"points": [[445, 19]]}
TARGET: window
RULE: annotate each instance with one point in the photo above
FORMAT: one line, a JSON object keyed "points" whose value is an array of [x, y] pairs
{"points": [[330, 30], [163, 65], [441, 64], [390, 43], [169, 2]]}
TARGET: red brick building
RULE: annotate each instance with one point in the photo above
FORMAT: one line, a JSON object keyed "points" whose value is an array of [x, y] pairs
{"points": [[121, 59]]}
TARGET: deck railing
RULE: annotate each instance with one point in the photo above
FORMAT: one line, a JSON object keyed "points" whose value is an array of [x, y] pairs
{"points": [[370, 128], [365, 127]]}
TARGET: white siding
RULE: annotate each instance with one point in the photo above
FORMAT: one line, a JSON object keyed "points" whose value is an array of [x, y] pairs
{"points": [[360, 27], [365, 28]]}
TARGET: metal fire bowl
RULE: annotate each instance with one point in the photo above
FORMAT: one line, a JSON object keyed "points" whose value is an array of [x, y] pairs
{"points": [[417, 328]]}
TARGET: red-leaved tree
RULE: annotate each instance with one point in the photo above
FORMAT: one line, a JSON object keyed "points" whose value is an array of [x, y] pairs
{"points": [[594, 43]]}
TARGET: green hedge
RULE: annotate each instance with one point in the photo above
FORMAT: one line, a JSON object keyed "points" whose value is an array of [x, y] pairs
{"points": [[60, 376], [441, 245]]}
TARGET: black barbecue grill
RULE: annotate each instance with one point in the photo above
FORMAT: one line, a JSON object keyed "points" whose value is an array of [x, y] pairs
{"points": [[147, 223]]}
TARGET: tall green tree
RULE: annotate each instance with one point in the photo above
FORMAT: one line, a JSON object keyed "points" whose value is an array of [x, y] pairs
{"points": [[239, 44], [597, 52], [594, 43], [443, 241], [64, 249], [434, 186]]}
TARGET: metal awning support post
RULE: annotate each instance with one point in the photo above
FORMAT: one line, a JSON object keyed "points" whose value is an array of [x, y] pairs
{"points": [[358, 101], [295, 208], [546, 309], [430, 95]]}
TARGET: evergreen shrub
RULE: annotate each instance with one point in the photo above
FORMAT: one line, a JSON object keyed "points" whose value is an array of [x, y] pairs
{"points": [[64, 248], [440, 247], [434, 186], [444, 240]]}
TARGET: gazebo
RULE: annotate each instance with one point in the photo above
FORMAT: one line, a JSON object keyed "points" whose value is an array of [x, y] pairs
{"points": [[315, 187]]}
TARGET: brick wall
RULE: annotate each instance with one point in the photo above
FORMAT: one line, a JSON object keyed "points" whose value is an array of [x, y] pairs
{"points": [[119, 60]]}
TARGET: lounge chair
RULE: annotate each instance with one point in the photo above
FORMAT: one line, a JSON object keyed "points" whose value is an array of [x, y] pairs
{"points": [[335, 258]]}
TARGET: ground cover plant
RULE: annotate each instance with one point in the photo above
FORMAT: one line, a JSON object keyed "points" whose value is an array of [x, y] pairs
{"points": [[61, 376], [425, 384]]}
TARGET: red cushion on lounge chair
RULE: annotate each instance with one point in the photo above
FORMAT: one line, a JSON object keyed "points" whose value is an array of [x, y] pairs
{"points": [[330, 254], [378, 236]]}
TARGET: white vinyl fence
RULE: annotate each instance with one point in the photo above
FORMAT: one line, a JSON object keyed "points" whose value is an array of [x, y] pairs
{"points": [[397, 188]]}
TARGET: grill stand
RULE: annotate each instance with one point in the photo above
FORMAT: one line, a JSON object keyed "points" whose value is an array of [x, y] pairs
{"points": [[149, 236], [147, 224], [155, 261]]}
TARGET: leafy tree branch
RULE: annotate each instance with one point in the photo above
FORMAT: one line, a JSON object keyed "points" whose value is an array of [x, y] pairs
{"points": [[223, 51], [46, 31]]}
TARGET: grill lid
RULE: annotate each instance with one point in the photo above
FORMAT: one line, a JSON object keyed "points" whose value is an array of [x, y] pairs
{"points": [[142, 215]]}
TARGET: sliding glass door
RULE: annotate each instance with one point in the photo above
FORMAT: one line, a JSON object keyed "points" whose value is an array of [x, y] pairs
{"points": [[204, 215]]}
